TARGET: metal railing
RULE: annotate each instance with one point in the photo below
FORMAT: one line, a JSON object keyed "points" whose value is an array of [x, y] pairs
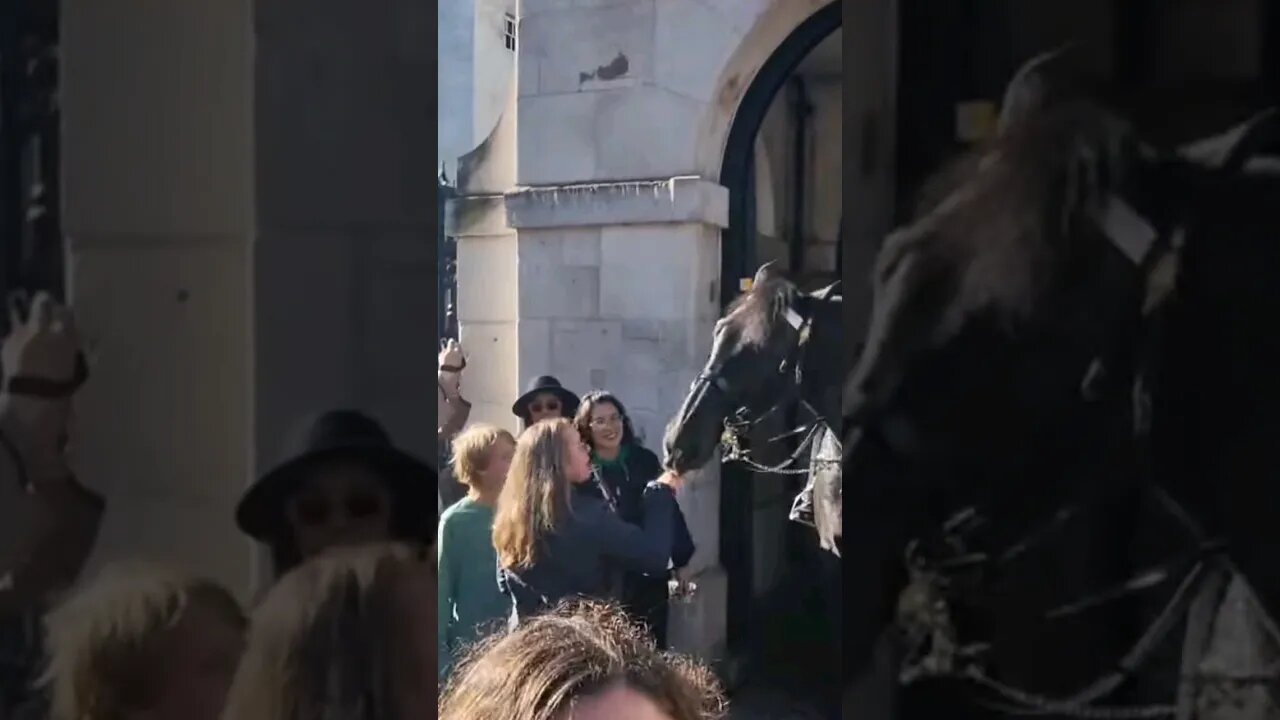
{"points": [[446, 266], [31, 254]]}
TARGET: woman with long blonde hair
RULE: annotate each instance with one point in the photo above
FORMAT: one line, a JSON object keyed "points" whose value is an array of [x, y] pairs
{"points": [[553, 543], [349, 635]]}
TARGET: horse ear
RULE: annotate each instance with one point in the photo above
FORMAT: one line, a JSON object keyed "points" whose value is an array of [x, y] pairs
{"points": [[1030, 89], [767, 271]]}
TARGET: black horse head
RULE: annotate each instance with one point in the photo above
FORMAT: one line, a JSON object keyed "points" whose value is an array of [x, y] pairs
{"points": [[999, 358], [775, 345]]}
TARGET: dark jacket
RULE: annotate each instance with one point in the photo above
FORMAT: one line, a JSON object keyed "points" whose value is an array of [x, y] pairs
{"points": [[579, 559], [626, 479]]}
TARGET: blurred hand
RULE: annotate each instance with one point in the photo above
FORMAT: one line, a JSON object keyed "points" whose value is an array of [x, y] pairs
{"points": [[450, 381], [672, 480], [451, 355], [44, 344]]}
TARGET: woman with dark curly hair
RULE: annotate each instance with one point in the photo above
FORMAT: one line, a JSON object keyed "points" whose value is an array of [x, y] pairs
{"points": [[583, 661], [623, 468]]}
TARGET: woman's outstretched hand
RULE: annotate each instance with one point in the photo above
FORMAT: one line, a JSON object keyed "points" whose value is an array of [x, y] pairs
{"points": [[672, 479]]}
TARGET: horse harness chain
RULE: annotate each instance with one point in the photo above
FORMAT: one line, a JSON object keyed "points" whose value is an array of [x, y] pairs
{"points": [[734, 429], [924, 612]]}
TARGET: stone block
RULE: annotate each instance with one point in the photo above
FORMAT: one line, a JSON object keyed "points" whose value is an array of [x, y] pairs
{"points": [[673, 389], [197, 537], [530, 8], [557, 138], [649, 426], [692, 44], [495, 414], [551, 289], [157, 132], [488, 279], [580, 247], [528, 74], [328, 69], [647, 272], [492, 356], [646, 132], [642, 330], [598, 48], [535, 351], [699, 627], [165, 425], [741, 15], [580, 348]]}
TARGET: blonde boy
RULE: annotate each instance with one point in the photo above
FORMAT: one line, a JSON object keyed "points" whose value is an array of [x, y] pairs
{"points": [[469, 599]]}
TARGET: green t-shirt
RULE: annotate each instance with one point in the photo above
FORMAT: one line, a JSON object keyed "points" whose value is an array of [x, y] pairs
{"points": [[471, 605]]}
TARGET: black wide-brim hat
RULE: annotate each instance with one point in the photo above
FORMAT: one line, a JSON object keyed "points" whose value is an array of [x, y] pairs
{"points": [[545, 384], [338, 434]]}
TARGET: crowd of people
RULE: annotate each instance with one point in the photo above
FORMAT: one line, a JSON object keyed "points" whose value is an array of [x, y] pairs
{"points": [[548, 562]]}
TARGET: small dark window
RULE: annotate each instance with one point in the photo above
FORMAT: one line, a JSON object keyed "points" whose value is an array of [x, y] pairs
{"points": [[509, 31]]}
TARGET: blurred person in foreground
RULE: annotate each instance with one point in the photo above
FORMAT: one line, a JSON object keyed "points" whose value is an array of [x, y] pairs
{"points": [[142, 642], [341, 482], [49, 521], [348, 635], [553, 543], [583, 661], [470, 601]]}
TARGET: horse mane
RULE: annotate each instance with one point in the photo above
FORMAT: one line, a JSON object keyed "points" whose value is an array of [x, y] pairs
{"points": [[1000, 220], [756, 313]]}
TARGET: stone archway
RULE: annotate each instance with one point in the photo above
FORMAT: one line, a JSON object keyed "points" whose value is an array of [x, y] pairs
{"points": [[755, 85]]}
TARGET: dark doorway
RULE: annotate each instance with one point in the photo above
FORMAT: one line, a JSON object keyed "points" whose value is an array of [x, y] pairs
{"points": [[740, 496]]}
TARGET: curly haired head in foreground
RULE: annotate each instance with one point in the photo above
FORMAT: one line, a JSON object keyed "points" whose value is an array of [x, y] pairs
{"points": [[582, 658]]}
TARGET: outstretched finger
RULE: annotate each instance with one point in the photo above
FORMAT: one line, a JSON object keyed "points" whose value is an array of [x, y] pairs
{"points": [[43, 308]]}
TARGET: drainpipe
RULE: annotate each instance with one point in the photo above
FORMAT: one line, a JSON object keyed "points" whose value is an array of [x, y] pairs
{"points": [[801, 110]]}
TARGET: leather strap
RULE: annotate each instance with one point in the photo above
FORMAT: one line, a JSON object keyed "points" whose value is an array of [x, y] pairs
{"points": [[50, 389]]}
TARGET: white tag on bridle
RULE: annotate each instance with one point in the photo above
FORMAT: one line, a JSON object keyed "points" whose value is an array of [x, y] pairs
{"points": [[1128, 231], [794, 319]]}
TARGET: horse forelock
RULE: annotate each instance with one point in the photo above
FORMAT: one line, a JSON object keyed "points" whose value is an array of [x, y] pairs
{"points": [[1003, 219], [756, 313]]}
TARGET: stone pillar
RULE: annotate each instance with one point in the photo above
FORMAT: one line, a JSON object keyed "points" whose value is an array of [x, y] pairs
{"points": [[248, 203], [619, 289], [158, 153]]}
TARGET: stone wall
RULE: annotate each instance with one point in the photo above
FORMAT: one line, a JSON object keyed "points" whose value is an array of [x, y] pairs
{"points": [[250, 234]]}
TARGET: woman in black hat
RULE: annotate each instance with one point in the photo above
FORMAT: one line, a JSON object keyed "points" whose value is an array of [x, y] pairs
{"points": [[545, 398], [342, 483]]}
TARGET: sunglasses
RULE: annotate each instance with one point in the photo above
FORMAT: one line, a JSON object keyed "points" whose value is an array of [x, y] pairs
{"points": [[319, 511], [541, 407]]}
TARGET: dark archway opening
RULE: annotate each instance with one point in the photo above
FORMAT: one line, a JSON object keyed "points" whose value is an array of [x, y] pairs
{"points": [[750, 615]]}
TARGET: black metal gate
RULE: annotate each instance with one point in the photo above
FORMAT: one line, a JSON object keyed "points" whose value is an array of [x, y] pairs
{"points": [[31, 248], [446, 267]]}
